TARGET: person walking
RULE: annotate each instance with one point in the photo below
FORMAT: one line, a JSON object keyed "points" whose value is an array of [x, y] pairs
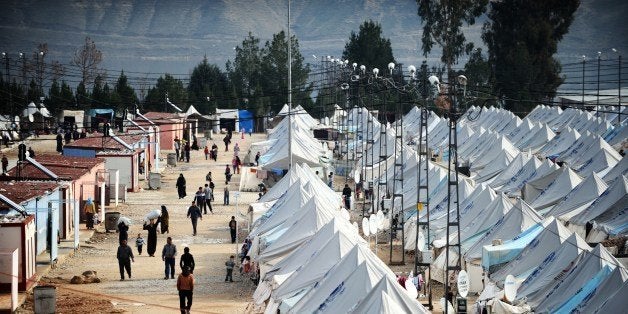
{"points": [[236, 150], [199, 198], [151, 243], [226, 195], [208, 176], [177, 147], [125, 256], [234, 165], [230, 264], [168, 255], [123, 229], [5, 163], [164, 220], [257, 158], [330, 180], [346, 193], [187, 260], [90, 211], [59, 139], [194, 213], [227, 174], [187, 152], [185, 286], [233, 228], [181, 186], [212, 186], [208, 198], [238, 164], [227, 140], [139, 243], [215, 151], [206, 151]]}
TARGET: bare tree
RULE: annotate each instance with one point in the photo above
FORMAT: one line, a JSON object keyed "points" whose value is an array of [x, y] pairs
{"points": [[87, 58]]}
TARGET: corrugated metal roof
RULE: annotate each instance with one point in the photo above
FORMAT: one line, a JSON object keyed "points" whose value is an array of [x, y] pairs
{"points": [[66, 167], [96, 141], [22, 191]]}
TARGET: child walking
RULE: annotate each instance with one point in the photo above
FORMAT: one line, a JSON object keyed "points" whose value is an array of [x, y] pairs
{"points": [[139, 242], [230, 264]]}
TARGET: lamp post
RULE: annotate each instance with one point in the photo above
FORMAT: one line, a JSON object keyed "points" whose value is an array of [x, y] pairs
{"points": [[5, 56], [23, 57], [40, 67], [597, 104], [583, 65]]}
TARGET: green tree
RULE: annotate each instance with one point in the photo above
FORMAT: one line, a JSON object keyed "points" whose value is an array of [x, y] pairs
{"points": [[54, 102], [82, 96], [155, 97], [442, 22], [522, 37], [245, 71], [275, 73], [124, 93], [99, 98], [209, 82], [368, 47], [67, 96]]}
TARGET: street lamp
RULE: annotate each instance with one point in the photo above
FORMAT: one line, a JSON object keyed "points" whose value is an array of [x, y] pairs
{"points": [[391, 67], [412, 70], [375, 72]]}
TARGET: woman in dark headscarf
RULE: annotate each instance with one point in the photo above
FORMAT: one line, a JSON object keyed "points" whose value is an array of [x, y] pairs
{"points": [[124, 231], [181, 186], [151, 243], [164, 219]]}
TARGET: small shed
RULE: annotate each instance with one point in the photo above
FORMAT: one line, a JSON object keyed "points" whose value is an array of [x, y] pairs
{"points": [[70, 118], [81, 174], [18, 232], [228, 119]]}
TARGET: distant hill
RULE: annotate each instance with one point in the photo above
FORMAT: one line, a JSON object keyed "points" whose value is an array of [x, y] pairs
{"points": [[160, 36]]}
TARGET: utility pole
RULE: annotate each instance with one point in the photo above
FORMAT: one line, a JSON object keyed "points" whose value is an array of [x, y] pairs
{"points": [[289, 91], [6, 64]]}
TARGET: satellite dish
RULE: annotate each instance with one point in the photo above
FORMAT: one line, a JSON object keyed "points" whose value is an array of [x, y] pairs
{"points": [[421, 241], [510, 288], [411, 288], [373, 223], [380, 218], [31, 118], [356, 176], [365, 227], [463, 283], [355, 225], [16, 119]]}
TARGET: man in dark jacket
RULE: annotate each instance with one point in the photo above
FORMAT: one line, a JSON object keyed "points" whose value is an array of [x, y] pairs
{"points": [[346, 192], [194, 213], [187, 260], [233, 227], [125, 256]]}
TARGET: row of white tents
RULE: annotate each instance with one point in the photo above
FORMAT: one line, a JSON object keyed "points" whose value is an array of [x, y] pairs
{"points": [[311, 257], [517, 191]]}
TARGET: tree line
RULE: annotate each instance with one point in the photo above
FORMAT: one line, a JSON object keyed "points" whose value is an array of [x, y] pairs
{"points": [[519, 67]]}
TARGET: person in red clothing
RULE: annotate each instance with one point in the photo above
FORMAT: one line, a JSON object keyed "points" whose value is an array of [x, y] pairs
{"points": [[185, 285]]}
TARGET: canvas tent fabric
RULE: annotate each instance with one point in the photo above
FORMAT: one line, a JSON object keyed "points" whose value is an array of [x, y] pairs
{"points": [[593, 298], [611, 202], [547, 191], [551, 267], [578, 198], [583, 270], [550, 239], [387, 297]]}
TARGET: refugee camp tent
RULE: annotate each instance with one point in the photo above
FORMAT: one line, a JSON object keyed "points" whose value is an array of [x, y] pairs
{"points": [[388, 297], [579, 198], [551, 267], [551, 188], [595, 293]]}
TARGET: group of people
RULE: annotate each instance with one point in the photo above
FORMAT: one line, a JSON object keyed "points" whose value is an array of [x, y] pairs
{"points": [[182, 149], [211, 153]]}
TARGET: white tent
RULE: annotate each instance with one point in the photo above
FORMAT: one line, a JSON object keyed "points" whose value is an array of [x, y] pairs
{"points": [[578, 198], [500, 206], [611, 204], [592, 297], [550, 239], [521, 217], [551, 267], [560, 143], [602, 162], [387, 297], [314, 267], [513, 168], [550, 189], [620, 169], [533, 169], [581, 272], [495, 166]]}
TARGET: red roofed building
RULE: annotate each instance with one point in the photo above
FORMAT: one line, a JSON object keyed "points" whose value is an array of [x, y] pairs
{"points": [[129, 158], [170, 125], [82, 174]]}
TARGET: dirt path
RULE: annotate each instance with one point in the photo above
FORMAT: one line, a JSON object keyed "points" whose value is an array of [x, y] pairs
{"points": [[147, 291]]}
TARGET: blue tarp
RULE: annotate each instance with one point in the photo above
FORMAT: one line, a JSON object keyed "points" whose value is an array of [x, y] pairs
{"points": [[495, 255], [585, 292], [245, 118], [94, 112]]}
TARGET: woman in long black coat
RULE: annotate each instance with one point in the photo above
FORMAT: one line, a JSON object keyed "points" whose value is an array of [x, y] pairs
{"points": [[164, 220], [151, 243], [124, 231], [181, 186]]}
